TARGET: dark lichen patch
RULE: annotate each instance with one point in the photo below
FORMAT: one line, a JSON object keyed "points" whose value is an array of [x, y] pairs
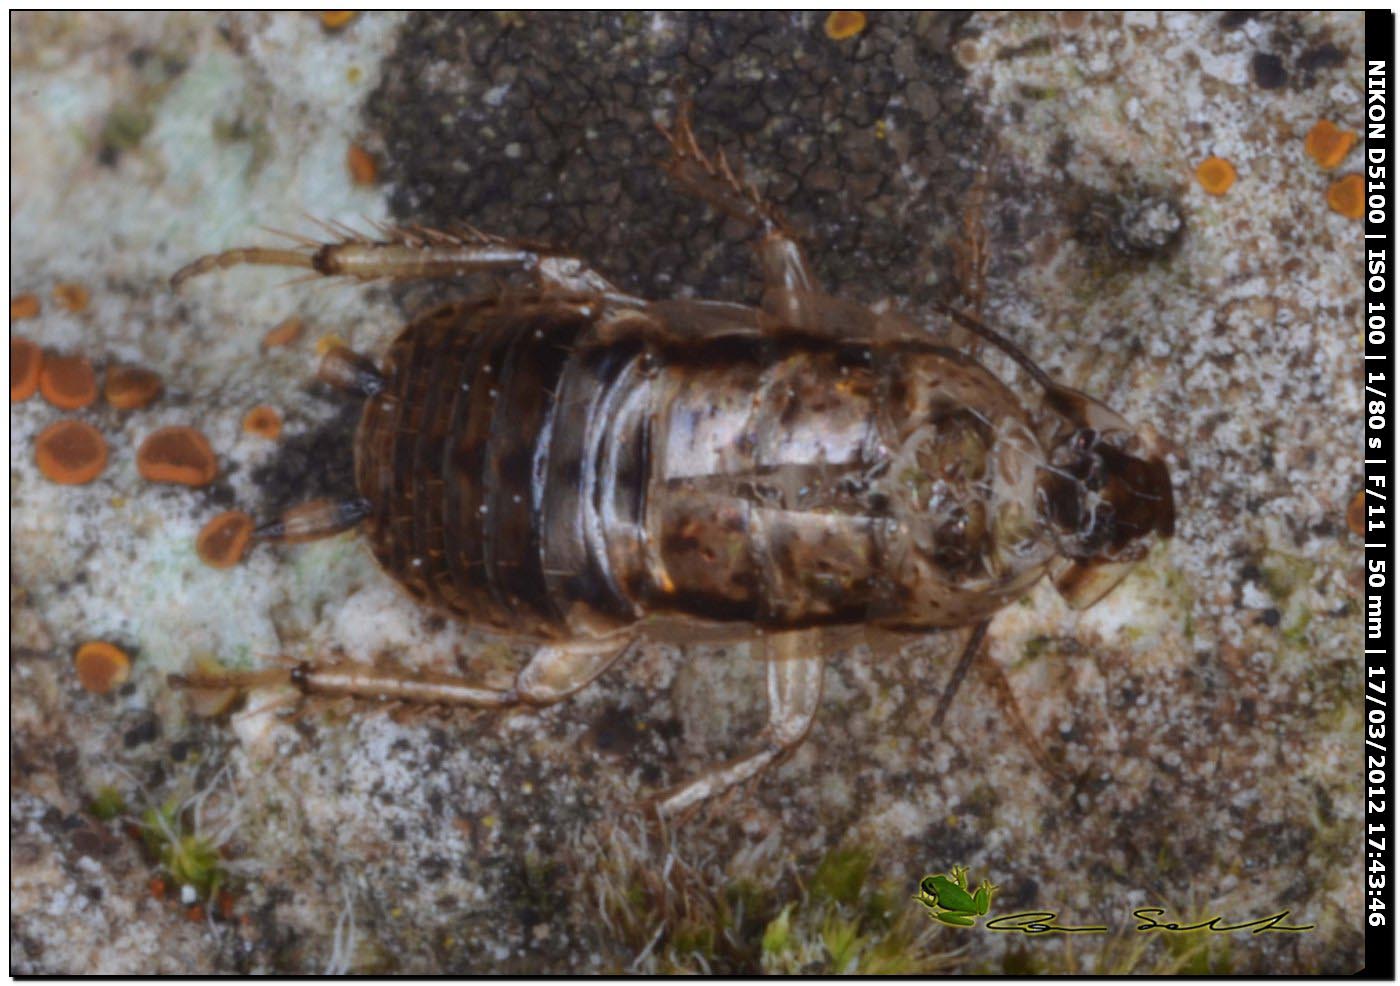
{"points": [[1294, 54], [1319, 58], [1267, 71], [543, 127], [314, 464], [1124, 229], [148, 730]]}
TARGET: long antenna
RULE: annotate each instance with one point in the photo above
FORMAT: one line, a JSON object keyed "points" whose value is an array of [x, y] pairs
{"points": [[978, 327]]}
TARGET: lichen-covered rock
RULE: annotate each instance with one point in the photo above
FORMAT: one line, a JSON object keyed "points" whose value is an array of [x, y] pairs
{"points": [[1188, 743]]}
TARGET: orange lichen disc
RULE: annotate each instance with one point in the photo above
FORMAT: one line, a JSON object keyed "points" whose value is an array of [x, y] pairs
{"points": [[284, 333], [843, 24], [70, 452], [222, 542], [101, 666], [1327, 144], [264, 422], [73, 297], [1216, 175], [177, 455], [1348, 196], [131, 387], [26, 360], [363, 170], [68, 382], [334, 20], [1356, 514], [328, 342], [23, 306]]}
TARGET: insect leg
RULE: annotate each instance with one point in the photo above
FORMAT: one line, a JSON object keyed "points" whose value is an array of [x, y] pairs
{"points": [[780, 256], [1005, 697], [314, 520], [418, 253], [795, 666], [792, 297], [970, 249], [969, 654], [1006, 700], [344, 369], [681, 320], [554, 673]]}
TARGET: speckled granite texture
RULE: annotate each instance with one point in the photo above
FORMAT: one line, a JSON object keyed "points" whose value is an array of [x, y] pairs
{"points": [[1203, 723]]}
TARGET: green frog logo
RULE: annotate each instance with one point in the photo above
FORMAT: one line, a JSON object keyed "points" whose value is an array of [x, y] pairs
{"points": [[949, 900]]}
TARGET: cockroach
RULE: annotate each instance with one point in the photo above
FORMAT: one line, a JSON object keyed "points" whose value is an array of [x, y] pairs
{"points": [[574, 464]]}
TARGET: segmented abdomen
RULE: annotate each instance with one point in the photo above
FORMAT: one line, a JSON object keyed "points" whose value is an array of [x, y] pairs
{"points": [[447, 457]]}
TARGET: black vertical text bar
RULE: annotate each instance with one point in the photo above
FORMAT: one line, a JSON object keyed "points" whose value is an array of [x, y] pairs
{"points": [[1378, 380]]}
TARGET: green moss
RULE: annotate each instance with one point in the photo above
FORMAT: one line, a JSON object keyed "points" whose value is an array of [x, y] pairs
{"points": [[186, 855], [843, 941], [1296, 633], [238, 131], [840, 876], [777, 937], [694, 938], [1036, 646], [844, 925], [1284, 574], [193, 861], [126, 126], [1021, 962], [107, 804], [835, 921], [1200, 954]]}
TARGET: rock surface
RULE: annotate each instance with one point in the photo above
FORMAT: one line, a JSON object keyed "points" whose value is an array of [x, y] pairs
{"points": [[1196, 732]]}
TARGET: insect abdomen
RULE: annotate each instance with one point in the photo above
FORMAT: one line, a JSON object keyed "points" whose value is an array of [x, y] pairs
{"points": [[451, 457]]}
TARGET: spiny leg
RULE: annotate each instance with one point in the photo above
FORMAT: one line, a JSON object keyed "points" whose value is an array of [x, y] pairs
{"points": [[795, 666], [780, 256], [418, 253], [970, 255], [969, 654], [792, 296], [1005, 697], [555, 672]]}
